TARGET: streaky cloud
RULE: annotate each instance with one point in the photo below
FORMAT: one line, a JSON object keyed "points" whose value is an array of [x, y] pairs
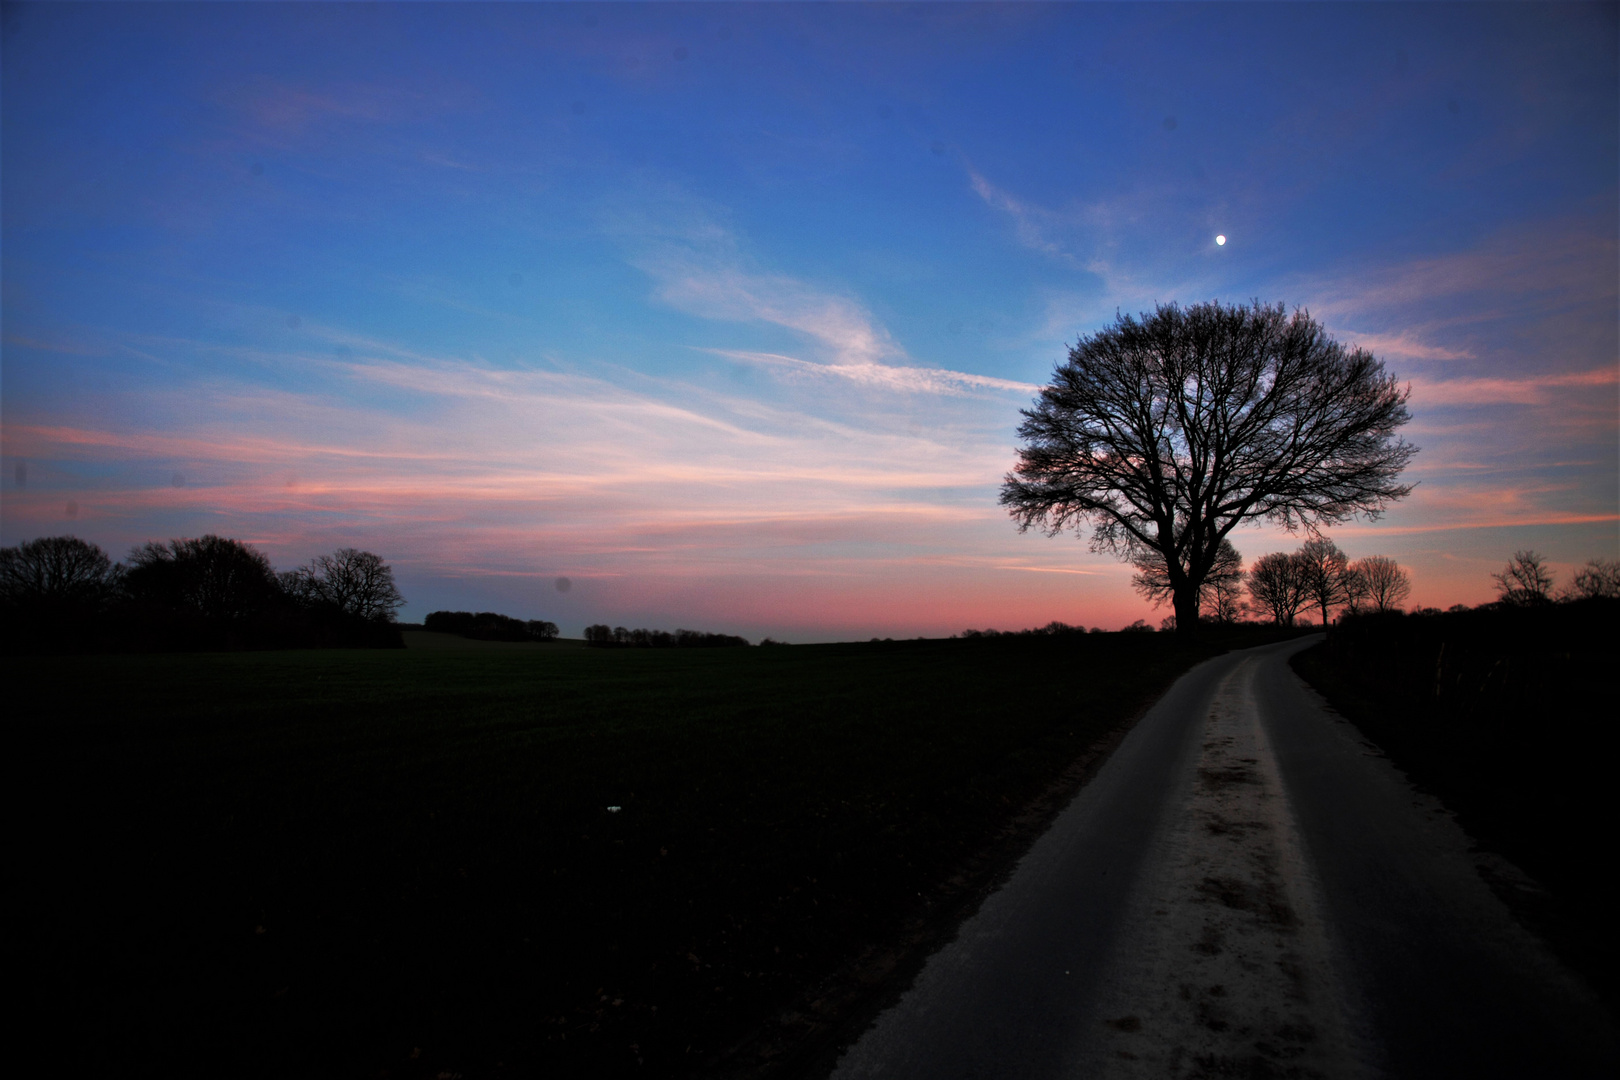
{"points": [[887, 376]]}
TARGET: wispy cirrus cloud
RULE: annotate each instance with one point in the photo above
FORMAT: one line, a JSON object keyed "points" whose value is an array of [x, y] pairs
{"points": [[1530, 265], [474, 441], [839, 324], [1541, 294], [698, 266], [903, 379], [1404, 346], [1035, 226]]}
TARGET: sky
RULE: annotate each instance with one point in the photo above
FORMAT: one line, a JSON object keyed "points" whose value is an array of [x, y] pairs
{"points": [[721, 316]]}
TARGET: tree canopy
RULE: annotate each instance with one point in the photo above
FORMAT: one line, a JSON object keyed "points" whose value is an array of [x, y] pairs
{"points": [[1164, 433], [1329, 580], [56, 569], [358, 583], [1385, 584], [1525, 581], [1279, 586]]}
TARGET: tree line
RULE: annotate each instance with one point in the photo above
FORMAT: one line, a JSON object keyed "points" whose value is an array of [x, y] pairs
{"points": [[601, 635], [1320, 578], [488, 626], [1528, 677], [1527, 581], [61, 593], [1283, 584]]}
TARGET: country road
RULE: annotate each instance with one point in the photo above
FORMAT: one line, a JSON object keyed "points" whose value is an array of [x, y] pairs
{"points": [[1246, 888]]}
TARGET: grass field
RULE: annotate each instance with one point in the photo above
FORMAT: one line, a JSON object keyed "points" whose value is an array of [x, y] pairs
{"points": [[350, 863]]}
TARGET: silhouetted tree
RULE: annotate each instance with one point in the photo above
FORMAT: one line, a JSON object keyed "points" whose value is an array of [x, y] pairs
{"points": [[56, 570], [1329, 582], [1525, 581], [489, 626], [211, 577], [357, 583], [1383, 585], [1165, 434], [210, 592], [1599, 577], [55, 593], [1277, 587], [1225, 578]]}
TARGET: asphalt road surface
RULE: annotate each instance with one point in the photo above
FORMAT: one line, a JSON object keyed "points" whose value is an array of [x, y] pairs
{"points": [[1246, 888]]}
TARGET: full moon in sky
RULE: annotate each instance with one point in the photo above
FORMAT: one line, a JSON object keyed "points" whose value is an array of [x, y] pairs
{"points": [[1220, 240]]}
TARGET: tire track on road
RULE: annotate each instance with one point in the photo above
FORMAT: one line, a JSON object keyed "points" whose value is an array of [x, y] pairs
{"points": [[1226, 967]]}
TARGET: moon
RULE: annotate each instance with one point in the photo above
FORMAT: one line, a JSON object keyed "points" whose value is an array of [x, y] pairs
{"points": [[1220, 240]]}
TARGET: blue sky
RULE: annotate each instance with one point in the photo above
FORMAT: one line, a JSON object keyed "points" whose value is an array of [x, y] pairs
{"points": [[725, 312]]}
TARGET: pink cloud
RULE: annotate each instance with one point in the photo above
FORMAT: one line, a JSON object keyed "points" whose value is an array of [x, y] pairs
{"points": [[1405, 346], [1531, 390]]}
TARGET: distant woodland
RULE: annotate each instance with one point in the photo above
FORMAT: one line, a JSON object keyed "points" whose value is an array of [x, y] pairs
{"points": [[64, 594]]}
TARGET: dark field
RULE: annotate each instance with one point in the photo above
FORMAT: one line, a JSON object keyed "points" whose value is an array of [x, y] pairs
{"points": [[1508, 716], [350, 863]]}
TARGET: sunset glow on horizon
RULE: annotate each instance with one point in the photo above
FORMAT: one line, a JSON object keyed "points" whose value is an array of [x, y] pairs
{"points": [[726, 313]]}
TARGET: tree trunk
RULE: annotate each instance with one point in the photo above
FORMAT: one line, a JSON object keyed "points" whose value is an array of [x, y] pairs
{"points": [[1186, 603]]}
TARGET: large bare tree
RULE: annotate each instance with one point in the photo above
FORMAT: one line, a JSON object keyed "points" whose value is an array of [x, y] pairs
{"points": [[1526, 581], [56, 570], [1279, 586], [1385, 584], [356, 582], [1329, 581], [1599, 577], [1164, 433]]}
